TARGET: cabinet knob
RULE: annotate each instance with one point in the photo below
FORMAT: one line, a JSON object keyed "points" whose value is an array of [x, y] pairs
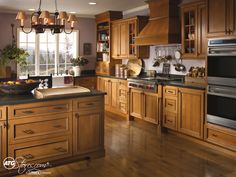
{"points": [[77, 115]]}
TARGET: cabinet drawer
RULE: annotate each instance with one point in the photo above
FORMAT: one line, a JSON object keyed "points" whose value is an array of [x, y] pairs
{"points": [[221, 136], [170, 91], [170, 104], [123, 107], [87, 104], [43, 151], [170, 120], [40, 108], [36, 128], [123, 95]]}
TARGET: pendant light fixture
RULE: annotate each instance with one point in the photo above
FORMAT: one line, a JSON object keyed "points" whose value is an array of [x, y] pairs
{"points": [[42, 20]]}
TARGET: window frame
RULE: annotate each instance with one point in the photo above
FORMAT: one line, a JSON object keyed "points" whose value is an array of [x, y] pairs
{"points": [[57, 49]]}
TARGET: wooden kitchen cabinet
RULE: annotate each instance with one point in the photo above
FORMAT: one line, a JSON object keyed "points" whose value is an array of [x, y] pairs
{"points": [[124, 32], [194, 41], [136, 103], [116, 99], [221, 18], [87, 82], [150, 107], [3, 144], [170, 107], [220, 136], [87, 113], [191, 112], [87, 139], [144, 105]]}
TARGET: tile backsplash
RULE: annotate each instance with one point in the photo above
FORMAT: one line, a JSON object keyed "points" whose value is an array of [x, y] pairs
{"points": [[156, 51]]}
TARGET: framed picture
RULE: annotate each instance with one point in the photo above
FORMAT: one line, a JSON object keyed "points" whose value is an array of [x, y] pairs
{"points": [[87, 48]]}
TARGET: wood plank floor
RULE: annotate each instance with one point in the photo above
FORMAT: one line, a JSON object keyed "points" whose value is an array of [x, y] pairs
{"points": [[134, 150]]}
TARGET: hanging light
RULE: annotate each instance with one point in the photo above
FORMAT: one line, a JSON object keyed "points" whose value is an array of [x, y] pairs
{"points": [[42, 20]]}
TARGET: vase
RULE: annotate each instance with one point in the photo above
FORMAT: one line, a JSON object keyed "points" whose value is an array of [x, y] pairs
{"points": [[77, 70]]}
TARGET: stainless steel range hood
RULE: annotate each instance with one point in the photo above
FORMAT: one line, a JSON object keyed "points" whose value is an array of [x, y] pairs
{"points": [[164, 24]]}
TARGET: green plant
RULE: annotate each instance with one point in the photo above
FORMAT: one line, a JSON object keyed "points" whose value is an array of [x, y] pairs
{"points": [[13, 53], [79, 61]]}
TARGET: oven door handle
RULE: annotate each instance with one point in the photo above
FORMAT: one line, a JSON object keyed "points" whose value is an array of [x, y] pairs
{"points": [[223, 92]]}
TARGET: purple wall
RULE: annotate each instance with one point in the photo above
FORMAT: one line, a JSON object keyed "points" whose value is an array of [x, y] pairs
{"points": [[86, 27]]}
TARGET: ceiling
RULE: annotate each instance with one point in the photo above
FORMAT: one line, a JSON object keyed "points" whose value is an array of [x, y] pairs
{"points": [[81, 7]]}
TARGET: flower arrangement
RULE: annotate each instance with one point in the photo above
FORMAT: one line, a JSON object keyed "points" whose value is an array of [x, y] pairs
{"points": [[79, 61]]}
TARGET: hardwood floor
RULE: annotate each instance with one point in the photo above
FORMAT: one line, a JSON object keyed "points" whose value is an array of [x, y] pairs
{"points": [[134, 150]]}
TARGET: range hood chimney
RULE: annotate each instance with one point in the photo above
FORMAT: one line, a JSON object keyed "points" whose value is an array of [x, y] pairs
{"points": [[164, 24]]}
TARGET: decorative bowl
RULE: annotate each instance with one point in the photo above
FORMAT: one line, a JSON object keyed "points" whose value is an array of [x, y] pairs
{"points": [[16, 89]]}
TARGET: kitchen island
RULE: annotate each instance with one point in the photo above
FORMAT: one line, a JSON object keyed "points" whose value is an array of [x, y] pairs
{"points": [[51, 131]]}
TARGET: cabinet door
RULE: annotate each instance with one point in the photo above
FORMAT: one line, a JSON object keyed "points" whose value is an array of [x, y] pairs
{"points": [[107, 90], [2, 144], [115, 40], [136, 99], [114, 93], [191, 112], [217, 18], [150, 107], [124, 40], [87, 132], [202, 30]]}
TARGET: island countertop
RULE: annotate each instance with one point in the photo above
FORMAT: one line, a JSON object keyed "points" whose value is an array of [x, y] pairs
{"points": [[30, 98]]}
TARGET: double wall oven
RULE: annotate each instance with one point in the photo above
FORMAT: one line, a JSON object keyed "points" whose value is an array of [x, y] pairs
{"points": [[221, 71]]}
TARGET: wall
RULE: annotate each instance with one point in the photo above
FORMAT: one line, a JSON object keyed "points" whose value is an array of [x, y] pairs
{"points": [[86, 26]]}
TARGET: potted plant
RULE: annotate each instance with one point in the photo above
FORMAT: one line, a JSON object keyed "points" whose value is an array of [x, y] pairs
{"points": [[77, 63], [13, 53]]}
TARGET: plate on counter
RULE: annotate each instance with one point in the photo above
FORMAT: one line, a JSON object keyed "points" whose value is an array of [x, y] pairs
{"points": [[135, 67]]}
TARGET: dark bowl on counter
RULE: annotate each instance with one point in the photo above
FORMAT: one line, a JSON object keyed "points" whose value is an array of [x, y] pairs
{"points": [[17, 89]]}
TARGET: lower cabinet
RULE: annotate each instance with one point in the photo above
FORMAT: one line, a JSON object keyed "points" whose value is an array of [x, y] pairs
{"points": [[87, 139], [144, 105], [116, 99], [221, 136], [191, 112], [2, 144]]}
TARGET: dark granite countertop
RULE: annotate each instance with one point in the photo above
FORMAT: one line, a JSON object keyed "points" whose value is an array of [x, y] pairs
{"points": [[179, 83], [29, 98], [185, 84], [113, 77]]}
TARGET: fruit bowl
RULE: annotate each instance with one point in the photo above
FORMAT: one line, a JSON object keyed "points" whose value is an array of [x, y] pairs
{"points": [[18, 87]]}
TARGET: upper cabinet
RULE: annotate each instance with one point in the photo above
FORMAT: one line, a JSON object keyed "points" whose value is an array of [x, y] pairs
{"points": [[123, 38], [105, 65], [221, 18], [193, 17]]}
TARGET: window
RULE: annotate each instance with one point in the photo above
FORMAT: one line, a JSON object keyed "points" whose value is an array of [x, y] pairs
{"points": [[49, 54]]}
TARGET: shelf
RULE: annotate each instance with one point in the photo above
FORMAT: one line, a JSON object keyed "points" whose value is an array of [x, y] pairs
{"points": [[189, 25], [103, 29], [102, 51], [101, 41]]}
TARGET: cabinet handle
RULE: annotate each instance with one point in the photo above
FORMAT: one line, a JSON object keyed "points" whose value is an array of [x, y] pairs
{"points": [[60, 149], [89, 104], [28, 112], [230, 31], [169, 121], [57, 126], [214, 135], [58, 108], [169, 91], [29, 132], [169, 104], [5, 125], [28, 156], [77, 115]]}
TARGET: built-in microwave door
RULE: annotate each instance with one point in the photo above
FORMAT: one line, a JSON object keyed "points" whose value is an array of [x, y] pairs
{"points": [[221, 70]]}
